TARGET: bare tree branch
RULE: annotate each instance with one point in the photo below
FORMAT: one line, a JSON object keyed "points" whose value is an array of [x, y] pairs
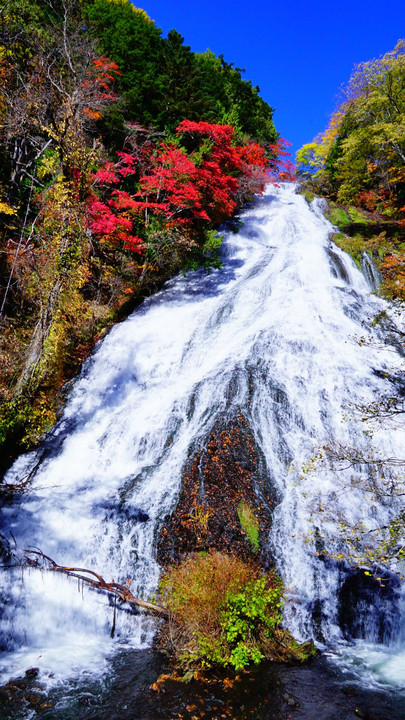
{"points": [[36, 558]]}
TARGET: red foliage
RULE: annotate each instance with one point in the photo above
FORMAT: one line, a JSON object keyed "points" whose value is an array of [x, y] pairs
{"points": [[98, 86], [368, 200], [199, 182], [282, 169], [392, 265], [393, 270], [111, 226], [107, 174], [171, 184]]}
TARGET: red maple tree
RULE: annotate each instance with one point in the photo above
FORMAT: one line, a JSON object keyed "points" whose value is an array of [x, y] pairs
{"points": [[194, 181]]}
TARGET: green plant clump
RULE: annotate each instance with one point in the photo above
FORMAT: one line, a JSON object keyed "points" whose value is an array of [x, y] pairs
{"points": [[253, 610], [250, 524], [224, 612]]}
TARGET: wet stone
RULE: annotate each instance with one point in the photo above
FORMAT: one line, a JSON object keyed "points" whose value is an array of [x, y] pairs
{"points": [[227, 470], [368, 608]]}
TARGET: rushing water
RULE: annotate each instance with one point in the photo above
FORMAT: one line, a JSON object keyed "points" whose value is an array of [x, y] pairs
{"points": [[273, 333]]}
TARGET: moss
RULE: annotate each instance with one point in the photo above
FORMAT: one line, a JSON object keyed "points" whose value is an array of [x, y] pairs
{"points": [[355, 237], [362, 232], [249, 523], [308, 195], [354, 246], [358, 216], [350, 219], [337, 216]]}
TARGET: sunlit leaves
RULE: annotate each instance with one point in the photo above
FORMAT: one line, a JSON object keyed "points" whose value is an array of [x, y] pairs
{"points": [[193, 181], [363, 148]]}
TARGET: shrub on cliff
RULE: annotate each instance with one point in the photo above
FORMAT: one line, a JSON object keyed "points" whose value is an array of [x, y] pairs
{"points": [[224, 611]]}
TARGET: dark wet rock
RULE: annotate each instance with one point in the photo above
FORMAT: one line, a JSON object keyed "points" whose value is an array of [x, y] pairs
{"points": [[369, 607], [337, 265], [20, 694], [6, 551], [290, 700], [87, 699], [365, 715], [121, 513], [227, 470], [140, 516]]}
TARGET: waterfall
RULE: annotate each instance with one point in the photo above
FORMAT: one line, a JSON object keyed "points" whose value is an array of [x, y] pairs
{"points": [[279, 324], [373, 275]]}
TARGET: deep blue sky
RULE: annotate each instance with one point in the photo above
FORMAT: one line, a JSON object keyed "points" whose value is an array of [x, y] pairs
{"points": [[299, 53]]}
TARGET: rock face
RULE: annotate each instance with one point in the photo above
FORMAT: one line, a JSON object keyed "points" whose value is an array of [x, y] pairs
{"points": [[227, 470], [369, 607]]}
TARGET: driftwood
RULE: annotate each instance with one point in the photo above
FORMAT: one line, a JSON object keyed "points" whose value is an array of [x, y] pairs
{"points": [[37, 558]]}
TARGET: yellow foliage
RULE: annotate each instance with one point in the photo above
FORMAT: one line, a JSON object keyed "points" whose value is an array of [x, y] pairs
{"points": [[329, 135], [311, 157], [396, 174], [136, 10], [48, 165], [7, 209]]}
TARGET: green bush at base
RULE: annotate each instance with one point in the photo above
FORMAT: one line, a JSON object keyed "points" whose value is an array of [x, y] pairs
{"points": [[224, 612]]}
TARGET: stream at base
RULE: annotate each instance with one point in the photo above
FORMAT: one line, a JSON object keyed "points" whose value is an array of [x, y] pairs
{"points": [[128, 691], [273, 335]]}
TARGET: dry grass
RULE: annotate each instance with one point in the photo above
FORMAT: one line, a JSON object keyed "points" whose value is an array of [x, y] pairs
{"points": [[198, 587]]}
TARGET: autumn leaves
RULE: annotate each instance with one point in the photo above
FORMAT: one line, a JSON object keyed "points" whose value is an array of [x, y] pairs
{"points": [[191, 181]]}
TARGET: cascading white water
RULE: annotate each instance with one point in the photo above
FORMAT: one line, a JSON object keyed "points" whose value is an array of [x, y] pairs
{"points": [[277, 323]]}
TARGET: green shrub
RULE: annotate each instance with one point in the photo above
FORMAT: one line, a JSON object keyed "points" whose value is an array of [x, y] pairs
{"points": [[223, 611]]}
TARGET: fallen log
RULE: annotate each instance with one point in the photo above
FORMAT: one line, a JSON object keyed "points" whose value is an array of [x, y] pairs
{"points": [[37, 558]]}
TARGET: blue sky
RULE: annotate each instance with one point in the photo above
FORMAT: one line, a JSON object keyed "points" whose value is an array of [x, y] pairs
{"points": [[299, 53]]}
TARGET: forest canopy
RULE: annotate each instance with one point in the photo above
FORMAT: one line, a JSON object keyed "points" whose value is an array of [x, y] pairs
{"points": [[360, 157]]}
